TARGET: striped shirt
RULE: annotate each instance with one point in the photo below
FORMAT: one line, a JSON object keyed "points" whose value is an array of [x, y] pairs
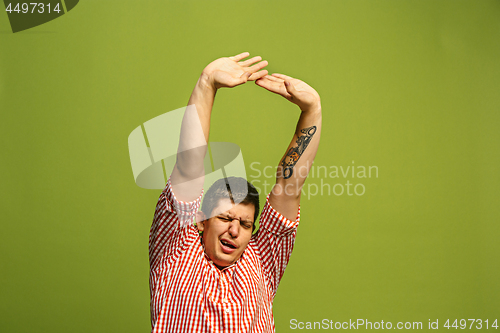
{"points": [[190, 294]]}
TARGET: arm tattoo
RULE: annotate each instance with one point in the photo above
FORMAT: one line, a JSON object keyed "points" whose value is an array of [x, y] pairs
{"points": [[292, 156]]}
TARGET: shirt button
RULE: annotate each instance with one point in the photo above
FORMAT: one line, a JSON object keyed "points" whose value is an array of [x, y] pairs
{"points": [[227, 310], [224, 300]]}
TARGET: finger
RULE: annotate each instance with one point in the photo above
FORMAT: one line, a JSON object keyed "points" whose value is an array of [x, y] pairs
{"points": [[273, 86], [273, 78], [246, 74], [244, 77], [258, 75], [249, 62], [290, 88], [282, 76], [240, 56], [267, 84], [258, 67]]}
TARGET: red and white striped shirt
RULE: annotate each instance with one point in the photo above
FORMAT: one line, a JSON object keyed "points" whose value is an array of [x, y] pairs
{"points": [[190, 294]]}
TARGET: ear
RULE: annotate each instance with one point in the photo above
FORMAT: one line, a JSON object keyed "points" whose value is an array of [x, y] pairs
{"points": [[200, 220]]}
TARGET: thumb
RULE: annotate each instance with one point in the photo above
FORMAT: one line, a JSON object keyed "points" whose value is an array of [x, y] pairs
{"points": [[245, 76], [290, 88]]}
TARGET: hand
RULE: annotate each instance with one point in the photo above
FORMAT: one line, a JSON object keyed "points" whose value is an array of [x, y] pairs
{"points": [[294, 90], [232, 71]]}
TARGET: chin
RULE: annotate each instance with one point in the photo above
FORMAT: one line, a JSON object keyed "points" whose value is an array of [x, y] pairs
{"points": [[221, 263]]}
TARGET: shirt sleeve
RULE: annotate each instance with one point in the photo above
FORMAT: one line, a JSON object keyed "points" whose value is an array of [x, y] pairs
{"points": [[275, 240], [169, 229]]}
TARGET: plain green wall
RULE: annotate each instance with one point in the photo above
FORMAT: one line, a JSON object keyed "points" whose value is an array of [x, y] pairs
{"points": [[412, 87]]}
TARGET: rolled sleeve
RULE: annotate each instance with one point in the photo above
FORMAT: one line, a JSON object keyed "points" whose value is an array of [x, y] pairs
{"points": [[168, 231], [185, 211], [275, 223], [275, 240]]}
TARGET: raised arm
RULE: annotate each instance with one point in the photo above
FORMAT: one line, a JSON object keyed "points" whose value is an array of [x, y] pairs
{"points": [[299, 156], [188, 174]]}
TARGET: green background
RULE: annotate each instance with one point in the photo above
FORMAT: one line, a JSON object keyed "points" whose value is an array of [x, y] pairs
{"points": [[412, 87]]}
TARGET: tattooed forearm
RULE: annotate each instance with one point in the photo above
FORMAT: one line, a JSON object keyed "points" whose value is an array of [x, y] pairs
{"points": [[292, 156]]}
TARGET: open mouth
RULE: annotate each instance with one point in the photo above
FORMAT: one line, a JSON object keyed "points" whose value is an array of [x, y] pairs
{"points": [[227, 244]]}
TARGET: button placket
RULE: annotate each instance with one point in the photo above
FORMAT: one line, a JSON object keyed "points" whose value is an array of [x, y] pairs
{"points": [[227, 280]]}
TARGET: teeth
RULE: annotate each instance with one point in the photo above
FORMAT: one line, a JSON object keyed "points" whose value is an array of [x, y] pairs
{"points": [[227, 244]]}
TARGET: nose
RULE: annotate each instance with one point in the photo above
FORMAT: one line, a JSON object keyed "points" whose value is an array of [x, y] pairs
{"points": [[234, 228]]}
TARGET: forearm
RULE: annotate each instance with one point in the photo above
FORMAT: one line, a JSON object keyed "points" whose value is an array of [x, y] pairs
{"points": [[188, 174], [300, 153], [296, 163], [202, 97]]}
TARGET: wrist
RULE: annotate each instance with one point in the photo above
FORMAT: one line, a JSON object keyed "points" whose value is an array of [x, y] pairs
{"points": [[312, 109], [206, 83]]}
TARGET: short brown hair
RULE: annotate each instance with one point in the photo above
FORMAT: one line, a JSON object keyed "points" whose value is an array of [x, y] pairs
{"points": [[238, 189]]}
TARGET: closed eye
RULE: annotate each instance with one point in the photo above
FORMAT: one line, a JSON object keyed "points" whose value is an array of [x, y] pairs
{"points": [[246, 224]]}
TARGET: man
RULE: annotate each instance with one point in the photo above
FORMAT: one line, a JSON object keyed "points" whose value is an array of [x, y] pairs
{"points": [[225, 280]]}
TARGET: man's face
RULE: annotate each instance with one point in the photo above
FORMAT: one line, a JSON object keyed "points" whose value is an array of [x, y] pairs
{"points": [[227, 233]]}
